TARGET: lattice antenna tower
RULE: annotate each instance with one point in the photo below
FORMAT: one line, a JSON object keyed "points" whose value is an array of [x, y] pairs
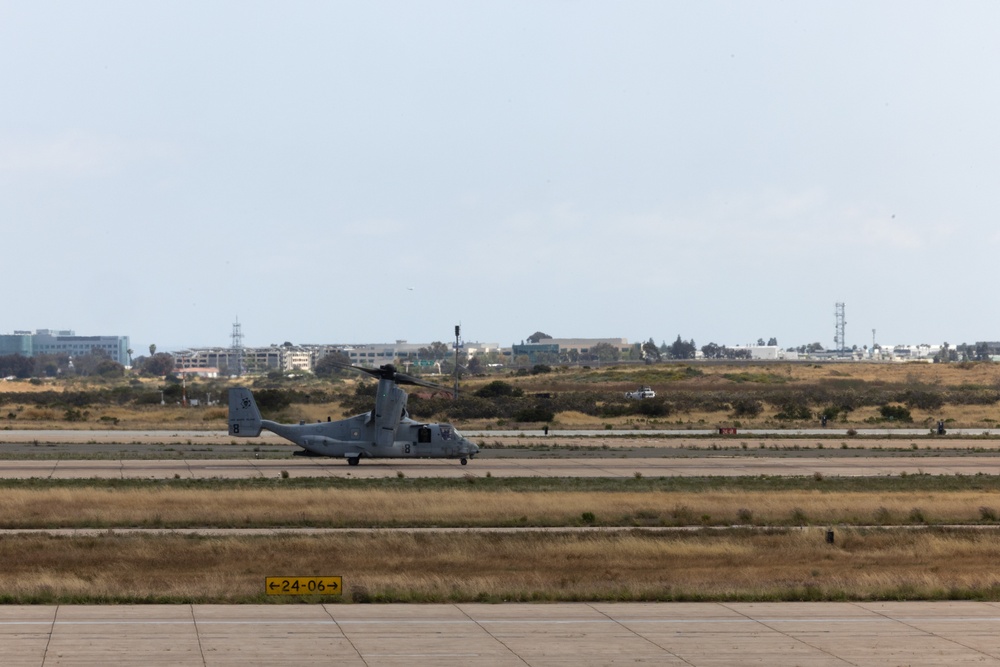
{"points": [[236, 348], [839, 340]]}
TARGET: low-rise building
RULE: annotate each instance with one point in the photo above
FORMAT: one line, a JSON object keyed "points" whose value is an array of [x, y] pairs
{"points": [[50, 341]]}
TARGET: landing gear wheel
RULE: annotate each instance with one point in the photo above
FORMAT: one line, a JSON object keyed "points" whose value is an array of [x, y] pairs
{"points": [[465, 461], [353, 460]]}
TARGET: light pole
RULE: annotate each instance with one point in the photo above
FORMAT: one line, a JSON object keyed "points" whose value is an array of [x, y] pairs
{"points": [[458, 344]]}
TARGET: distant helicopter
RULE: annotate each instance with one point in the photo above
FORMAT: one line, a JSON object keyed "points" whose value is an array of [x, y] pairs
{"points": [[385, 432]]}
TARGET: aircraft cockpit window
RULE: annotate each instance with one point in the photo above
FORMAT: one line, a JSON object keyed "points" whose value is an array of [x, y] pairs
{"points": [[424, 434], [445, 433]]}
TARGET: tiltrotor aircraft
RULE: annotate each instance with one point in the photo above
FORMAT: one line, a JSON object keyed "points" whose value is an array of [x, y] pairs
{"points": [[385, 432]]}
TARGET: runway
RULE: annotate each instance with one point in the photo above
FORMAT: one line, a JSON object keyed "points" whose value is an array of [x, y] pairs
{"points": [[692, 634], [522, 467]]}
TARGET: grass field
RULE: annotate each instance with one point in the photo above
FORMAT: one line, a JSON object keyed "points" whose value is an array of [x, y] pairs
{"points": [[913, 560], [620, 566], [368, 506], [895, 538]]}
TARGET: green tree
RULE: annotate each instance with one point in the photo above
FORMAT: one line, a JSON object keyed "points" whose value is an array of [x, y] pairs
{"points": [[537, 337], [109, 368], [331, 364], [475, 366], [436, 352], [681, 349], [17, 365], [651, 350], [604, 352], [159, 364], [946, 354], [85, 364], [51, 365]]}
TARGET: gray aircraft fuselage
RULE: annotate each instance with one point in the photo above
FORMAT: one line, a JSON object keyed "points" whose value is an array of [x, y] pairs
{"points": [[385, 432], [356, 436]]}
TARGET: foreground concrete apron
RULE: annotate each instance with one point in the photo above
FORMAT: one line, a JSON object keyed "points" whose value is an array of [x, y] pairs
{"points": [[773, 634]]}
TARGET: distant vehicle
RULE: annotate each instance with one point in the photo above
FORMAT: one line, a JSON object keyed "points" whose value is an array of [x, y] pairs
{"points": [[643, 392], [385, 432]]}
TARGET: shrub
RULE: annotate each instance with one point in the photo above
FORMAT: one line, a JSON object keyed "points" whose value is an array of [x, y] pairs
{"points": [[923, 399], [794, 412], [499, 388], [831, 412], [895, 413], [272, 400], [537, 413], [653, 407], [682, 514], [747, 407]]}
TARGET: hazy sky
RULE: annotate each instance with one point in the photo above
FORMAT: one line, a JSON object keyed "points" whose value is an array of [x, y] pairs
{"points": [[372, 171]]}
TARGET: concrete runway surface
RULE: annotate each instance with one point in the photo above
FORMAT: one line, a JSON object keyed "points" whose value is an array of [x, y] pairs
{"points": [[693, 634], [528, 467]]}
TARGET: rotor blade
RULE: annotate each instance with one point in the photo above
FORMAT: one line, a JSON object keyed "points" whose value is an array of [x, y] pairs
{"points": [[389, 372], [374, 372], [403, 378]]}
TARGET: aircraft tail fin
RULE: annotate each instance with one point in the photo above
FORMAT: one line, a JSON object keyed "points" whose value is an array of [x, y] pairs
{"points": [[244, 417]]}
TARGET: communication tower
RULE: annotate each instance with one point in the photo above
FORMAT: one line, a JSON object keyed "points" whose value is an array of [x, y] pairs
{"points": [[236, 349], [839, 340]]}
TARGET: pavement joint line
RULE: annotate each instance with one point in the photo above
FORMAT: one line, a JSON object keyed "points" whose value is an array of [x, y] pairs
{"points": [[52, 629], [766, 624], [256, 467], [491, 635], [326, 609], [197, 634], [910, 624], [622, 625]]}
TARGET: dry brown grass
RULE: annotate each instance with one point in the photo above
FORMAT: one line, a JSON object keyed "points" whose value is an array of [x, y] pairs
{"points": [[180, 507], [612, 380], [495, 567]]}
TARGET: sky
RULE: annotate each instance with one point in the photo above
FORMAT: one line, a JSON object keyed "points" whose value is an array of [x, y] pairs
{"points": [[358, 172]]}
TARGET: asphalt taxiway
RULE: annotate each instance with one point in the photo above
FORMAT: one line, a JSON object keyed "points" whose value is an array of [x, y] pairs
{"points": [[694, 634], [867, 466]]}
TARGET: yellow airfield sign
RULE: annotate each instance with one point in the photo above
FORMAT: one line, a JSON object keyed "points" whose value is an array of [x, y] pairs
{"points": [[303, 585]]}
